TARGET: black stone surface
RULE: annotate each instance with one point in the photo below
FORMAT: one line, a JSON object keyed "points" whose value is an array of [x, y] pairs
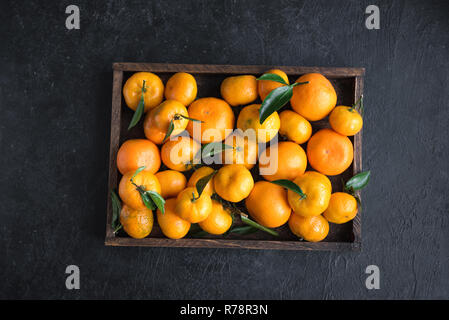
{"points": [[55, 97]]}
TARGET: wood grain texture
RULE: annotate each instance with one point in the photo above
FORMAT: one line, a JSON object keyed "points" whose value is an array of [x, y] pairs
{"points": [[235, 69], [114, 144], [347, 83], [357, 165], [232, 244]]}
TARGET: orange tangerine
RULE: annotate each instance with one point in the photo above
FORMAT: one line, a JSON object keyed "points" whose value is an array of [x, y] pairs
{"points": [[266, 86], [181, 87], [136, 223], [135, 153], [157, 121], [295, 127], [172, 182], [179, 152], [171, 224], [219, 220], [312, 229], [192, 208], [132, 90], [201, 173]]}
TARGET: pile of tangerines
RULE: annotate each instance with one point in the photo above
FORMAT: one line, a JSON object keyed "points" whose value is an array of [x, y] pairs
{"points": [[183, 132]]}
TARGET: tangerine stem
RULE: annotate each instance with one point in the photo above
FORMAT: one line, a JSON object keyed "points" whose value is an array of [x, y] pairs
{"points": [[138, 188], [360, 100], [298, 83]]}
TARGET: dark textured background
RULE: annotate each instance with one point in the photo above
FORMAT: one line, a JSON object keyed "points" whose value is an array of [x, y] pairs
{"points": [[55, 97]]}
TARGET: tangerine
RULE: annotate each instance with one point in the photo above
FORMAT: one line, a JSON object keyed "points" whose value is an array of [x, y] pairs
{"points": [[266, 86], [154, 90], [157, 121], [233, 182], [136, 223], [285, 160], [312, 229], [295, 127], [342, 208], [268, 204], [248, 119], [346, 120], [239, 90], [181, 87], [192, 208], [330, 152], [217, 120], [171, 224], [128, 190], [317, 189], [315, 99], [135, 153], [178, 153], [244, 149], [219, 220], [201, 173], [172, 182]]}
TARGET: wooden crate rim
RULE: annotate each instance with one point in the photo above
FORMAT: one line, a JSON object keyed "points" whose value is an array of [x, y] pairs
{"points": [[233, 244], [339, 72], [331, 72]]}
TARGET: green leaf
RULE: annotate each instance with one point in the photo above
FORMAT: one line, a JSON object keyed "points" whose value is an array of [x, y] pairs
{"points": [[243, 230], [178, 115], [290, 185], [118, 228], [361, 108], [202, 183], [147, 200], [139, 110], [272, 77], [116, 208], [157, 200], [359, 101], [137, 172], [254, 224], [358, 181], [275, 100], [298, 83], [213, 148], [170, 129]]}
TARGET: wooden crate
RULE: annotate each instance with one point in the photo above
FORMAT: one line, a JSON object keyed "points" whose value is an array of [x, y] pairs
{"points": [[348, 83]]}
